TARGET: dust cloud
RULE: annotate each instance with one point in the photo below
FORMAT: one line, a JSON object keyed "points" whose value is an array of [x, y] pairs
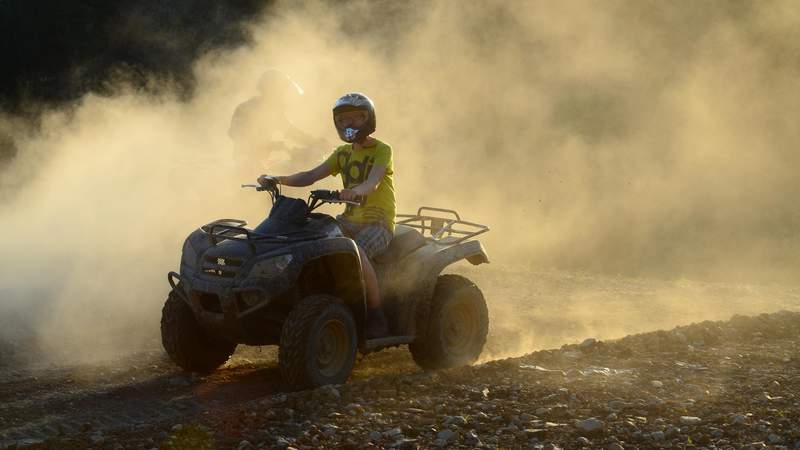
{"points": [[638, 138]]}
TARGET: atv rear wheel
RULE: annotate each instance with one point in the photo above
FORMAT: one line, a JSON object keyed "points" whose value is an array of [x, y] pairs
{"points": [[185, 341], [453, 325], [318, 343]]}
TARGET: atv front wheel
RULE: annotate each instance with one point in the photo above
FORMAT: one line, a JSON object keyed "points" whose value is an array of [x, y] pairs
{"points": [[186, 343], [456, 328], [318, 343]]}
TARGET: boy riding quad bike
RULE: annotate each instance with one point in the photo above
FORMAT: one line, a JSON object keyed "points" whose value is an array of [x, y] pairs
{"points": [[295, 281]]}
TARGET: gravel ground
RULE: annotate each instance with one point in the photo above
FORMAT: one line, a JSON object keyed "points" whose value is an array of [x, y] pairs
{"points": [[713, 384], [729, 384]]}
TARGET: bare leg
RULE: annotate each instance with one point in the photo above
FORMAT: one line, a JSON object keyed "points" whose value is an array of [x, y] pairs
{"points": [[370, 280]]}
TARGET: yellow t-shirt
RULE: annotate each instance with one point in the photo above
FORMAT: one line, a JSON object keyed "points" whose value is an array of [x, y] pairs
{"points": [[355, 166]]}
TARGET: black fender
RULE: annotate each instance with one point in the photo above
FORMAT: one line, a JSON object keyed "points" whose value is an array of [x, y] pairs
{"points": [[195, 245], [434, 263], [472, 251], [414, 278], [326, 266]]}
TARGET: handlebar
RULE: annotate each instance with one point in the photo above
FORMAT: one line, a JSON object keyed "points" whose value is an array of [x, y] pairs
{"points": [[258, 187], [316, 198], [324, 195]]}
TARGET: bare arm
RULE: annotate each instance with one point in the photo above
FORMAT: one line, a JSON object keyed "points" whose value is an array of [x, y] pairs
{"points": [[302, 179]]}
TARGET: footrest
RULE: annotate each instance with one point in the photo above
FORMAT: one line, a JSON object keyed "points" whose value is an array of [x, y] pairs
{"points": [[389, 341]]}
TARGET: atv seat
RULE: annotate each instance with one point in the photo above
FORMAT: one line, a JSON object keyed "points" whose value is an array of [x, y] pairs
{"points": [[406, 239]]}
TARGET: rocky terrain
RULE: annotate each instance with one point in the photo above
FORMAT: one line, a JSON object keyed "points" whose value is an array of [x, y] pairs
{"points": [[713, 384]]}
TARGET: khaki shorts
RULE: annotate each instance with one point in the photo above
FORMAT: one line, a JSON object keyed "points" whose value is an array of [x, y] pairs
{"points": [[373, 238]]}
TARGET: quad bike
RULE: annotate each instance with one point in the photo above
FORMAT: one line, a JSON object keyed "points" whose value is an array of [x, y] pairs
{"points": [[295, 281]]}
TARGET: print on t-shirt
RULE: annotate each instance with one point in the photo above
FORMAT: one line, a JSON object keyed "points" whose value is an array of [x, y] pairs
{"points": [[355, 166], [354, 172]]}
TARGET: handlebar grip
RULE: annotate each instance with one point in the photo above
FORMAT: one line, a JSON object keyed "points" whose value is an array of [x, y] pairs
{"points": [[360, 199], [335, 197]]}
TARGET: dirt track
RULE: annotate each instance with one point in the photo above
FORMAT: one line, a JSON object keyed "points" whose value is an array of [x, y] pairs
{"points": [[636, 388]]}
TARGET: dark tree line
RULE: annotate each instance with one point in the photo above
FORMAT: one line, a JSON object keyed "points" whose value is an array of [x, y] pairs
{"points": [[54, 51]]}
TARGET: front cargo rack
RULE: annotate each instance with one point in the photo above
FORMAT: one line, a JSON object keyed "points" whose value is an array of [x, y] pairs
{"points": [[447, 228], [233, 229]]}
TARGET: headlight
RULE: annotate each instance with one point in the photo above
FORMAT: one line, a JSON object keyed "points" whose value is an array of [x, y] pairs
{"points": [[271, 267]]}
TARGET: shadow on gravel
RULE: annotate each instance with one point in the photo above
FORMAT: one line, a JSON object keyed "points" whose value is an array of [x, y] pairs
{"points": [[146, 390], [239, 384], [64, 401]]}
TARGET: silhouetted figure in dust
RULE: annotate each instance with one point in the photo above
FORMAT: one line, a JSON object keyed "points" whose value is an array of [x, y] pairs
{"points": [[264, 138]]}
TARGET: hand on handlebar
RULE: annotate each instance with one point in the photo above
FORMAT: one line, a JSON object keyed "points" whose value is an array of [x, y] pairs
{"points": [[267, 181], [327, 196], [352, 196], [349, 194]]}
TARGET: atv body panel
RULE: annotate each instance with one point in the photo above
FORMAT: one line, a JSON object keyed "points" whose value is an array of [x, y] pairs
{"points": [[243, 290]]}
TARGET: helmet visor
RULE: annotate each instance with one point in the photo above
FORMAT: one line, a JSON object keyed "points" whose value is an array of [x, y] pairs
{"points": [[350, 117]]}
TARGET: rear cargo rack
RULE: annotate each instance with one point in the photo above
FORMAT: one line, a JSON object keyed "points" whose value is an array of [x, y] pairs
{"points": [[441, 228]]}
